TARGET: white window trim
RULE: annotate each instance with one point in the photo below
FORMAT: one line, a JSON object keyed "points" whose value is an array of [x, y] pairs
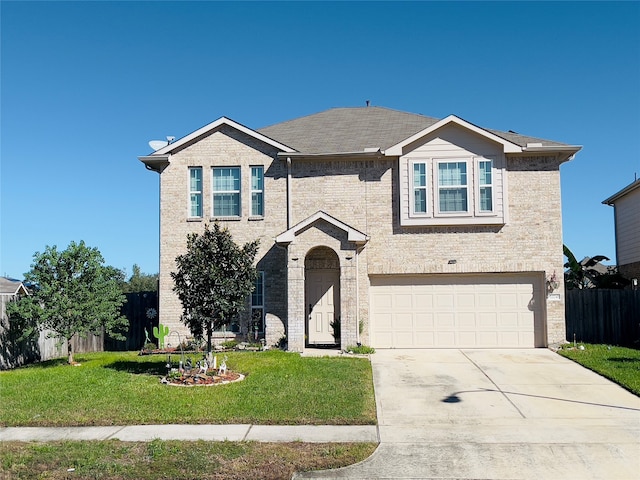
{"points": [[476, 166], [214, 192], [428, 189], [252, 191], [259, 307], [199, 192], [436, 188]]}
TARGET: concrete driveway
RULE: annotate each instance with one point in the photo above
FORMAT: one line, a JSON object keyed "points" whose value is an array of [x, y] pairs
{"points": [[497, 414]]}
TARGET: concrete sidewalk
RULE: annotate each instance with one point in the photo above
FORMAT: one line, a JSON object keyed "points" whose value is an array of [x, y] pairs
{"points": [[236, 433]]}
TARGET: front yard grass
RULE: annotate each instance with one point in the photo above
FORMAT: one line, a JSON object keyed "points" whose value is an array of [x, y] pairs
{"points": [[123, 388], [619, 364], [173, 459]]}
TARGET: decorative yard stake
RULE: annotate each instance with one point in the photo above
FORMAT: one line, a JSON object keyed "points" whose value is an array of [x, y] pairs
{"points": [[160, 332]]}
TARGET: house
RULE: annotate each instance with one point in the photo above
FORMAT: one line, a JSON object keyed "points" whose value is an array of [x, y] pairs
{"points": [[626, 208], [411, 231]]}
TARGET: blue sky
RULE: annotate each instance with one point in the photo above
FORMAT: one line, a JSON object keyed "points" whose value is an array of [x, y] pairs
{"points": [[85, 85]]}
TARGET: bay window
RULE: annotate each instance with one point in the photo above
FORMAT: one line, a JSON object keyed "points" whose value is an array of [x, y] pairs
{"points": [[452, 187]]}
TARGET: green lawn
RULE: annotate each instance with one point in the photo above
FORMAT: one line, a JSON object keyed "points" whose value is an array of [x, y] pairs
{"points": [[122, 388], [619, 364], [172, 459]]}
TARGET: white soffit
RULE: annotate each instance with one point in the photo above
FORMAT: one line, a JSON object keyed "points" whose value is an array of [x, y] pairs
{"points": [[216, 124], [396, 150]]}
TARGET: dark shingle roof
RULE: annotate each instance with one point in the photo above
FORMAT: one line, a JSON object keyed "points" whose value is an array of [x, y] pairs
{"points": [[353, 129]]}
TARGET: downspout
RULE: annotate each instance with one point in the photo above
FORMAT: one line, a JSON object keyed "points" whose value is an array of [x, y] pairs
{"points": [[289, 212], [359, 249]]}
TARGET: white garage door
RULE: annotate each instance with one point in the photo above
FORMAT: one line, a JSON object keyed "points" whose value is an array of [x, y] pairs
{"points": [[452, 311]]}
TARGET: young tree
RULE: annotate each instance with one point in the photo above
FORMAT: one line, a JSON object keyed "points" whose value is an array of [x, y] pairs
{"points": [[213, 280], [73, 294]]}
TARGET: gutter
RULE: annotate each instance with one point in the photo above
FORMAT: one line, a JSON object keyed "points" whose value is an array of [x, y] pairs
{"points": [[155, 163], [310, 156]]}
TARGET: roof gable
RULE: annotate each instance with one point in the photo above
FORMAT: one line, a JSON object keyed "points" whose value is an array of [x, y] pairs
{"points": [[509, 147], [353, 235], [207, 129]]}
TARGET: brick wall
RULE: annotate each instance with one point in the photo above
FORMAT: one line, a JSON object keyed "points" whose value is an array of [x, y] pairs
{"points": [[362, 194]]}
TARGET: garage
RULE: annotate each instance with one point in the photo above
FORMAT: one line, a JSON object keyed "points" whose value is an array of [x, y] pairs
{"points": [[456, 311]]}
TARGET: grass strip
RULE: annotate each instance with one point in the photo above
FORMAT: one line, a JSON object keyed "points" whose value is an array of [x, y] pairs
{"points": [[177, 460], [619, 364]]}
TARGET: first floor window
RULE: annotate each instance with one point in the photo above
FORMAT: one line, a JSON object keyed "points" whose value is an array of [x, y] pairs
{"points": [[419, 187], [485, 183], [257, 191], [226, 192], [257, 305], [452, 187], [195, 192]]}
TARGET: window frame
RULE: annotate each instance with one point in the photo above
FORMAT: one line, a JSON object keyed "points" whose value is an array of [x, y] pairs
{"points": [[437, 187], [426, 188], [258, 306], [237, 192], [199, 193], [478, 185], [257, 191]]}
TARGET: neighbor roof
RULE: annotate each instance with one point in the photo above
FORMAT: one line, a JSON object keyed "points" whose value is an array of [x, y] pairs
{"points": [[626, 190], [356, 129], [9, 286]]}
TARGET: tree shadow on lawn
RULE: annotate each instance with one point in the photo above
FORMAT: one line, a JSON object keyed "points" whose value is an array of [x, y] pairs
{"points": [[623, 360], [139, 368]]}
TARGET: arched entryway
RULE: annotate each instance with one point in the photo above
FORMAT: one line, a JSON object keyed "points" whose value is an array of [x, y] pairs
{"points": [[322, 296]]}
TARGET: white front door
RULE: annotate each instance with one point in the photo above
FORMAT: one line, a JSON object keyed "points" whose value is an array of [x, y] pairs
{"points": [[322, 304]]}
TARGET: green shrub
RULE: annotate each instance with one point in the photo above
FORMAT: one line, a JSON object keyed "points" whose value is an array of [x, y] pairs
{"points": [[360, 349], [230, 344]]}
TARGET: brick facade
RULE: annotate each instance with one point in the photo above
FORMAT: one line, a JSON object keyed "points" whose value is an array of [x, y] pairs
{"points": [[364, 194]]}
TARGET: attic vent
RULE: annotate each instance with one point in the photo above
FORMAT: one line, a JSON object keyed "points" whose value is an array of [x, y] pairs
{"points": [[530, 145]]}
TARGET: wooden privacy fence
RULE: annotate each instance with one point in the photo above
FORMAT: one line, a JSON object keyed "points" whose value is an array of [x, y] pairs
{"points": [[141, 309], [596, 315]]}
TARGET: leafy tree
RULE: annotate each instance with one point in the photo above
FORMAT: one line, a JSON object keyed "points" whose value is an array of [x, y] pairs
{"points": [[73, 294], [140, 282], [213, 280], [590, 273]]}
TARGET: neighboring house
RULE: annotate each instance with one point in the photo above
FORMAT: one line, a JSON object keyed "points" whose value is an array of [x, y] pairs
{"points": [[626, 214], [411, 231], [10, 289]]}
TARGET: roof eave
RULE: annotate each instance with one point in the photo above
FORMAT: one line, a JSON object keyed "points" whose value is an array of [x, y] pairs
{"points": [[317, 156], [566, 152], [216, 124], [629, 188], [155, 163]]}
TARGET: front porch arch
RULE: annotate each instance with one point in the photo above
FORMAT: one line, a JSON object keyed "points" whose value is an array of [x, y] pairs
{"points": [[322, 296]]}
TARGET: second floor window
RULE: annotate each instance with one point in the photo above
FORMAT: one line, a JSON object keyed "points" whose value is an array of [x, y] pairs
{"points": [[485, 184], [195, 192], [452, 187], [226, 192], [257, 191], [420, 188]]}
